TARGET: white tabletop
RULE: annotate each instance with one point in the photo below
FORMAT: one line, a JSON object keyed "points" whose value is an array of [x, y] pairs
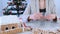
{"points": [[29, 32], [45, 25]]}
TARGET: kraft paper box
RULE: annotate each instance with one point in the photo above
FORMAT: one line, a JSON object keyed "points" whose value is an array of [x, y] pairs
{"points": [[8, 26], [37, 31], [27, 29], [15, 31]]}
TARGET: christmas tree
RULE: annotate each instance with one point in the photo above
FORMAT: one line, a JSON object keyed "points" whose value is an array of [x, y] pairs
{"points": [[16, 5]]}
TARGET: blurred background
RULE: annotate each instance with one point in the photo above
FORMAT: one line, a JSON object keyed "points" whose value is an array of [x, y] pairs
{"points": [[3, 4]]}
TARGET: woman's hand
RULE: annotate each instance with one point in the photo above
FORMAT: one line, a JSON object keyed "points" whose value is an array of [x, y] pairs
{"points": [[36, 16], [50, 16], [39, 16]]}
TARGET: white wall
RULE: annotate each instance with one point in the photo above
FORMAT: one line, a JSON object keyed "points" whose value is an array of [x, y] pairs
{"points": [[0, 7], [57, 2], [3, 4]]}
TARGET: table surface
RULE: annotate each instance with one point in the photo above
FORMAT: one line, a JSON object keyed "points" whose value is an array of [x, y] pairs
{"points": [[29, 32], [45, 25]]}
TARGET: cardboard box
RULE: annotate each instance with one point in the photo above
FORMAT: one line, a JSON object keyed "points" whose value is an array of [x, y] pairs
{"points": [[4, 27], [39, 31], [52, 33], [15, 31], [36, 31], [27, 29], [8, 27], [12, 26]]}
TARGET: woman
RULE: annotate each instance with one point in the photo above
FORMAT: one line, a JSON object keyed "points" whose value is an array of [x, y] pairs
{"points": [[42, 6], [46, 7]]}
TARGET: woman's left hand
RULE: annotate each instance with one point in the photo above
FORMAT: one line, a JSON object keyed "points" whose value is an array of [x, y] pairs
{"points": [[50, 16]]}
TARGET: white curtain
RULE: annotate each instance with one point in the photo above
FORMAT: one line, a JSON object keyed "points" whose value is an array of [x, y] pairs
{"points": [[50, 6]]}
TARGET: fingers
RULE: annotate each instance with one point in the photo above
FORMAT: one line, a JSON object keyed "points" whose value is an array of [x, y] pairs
{"points": [[39, 16], [50, 17]]}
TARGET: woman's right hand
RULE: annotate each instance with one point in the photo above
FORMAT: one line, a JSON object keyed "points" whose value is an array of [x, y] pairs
{"points": [[36, 16]]}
